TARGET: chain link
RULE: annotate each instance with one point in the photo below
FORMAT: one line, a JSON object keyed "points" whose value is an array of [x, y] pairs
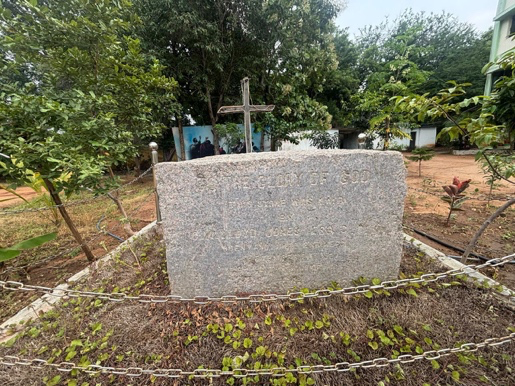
{"points": [[256, 298], [340, 367], [78, 202]]}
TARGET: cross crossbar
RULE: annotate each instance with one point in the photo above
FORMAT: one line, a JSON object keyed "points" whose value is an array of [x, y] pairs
{"points": [[246, 109]]}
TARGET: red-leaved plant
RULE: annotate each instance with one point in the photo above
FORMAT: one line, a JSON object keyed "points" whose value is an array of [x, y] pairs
{"points": [[454, 196]]}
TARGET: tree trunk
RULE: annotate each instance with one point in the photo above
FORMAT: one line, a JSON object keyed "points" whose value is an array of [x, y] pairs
{"points": [[181, 139], [273, 144], [115, 198], [127, 226], [214, 119], [483, 227], [137, 166], [262, 141], [420, 168], [68, 220], [386, 144]]}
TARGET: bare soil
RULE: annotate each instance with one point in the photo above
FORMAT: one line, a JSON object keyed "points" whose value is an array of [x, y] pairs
{"points": [[355, 328], [426, 212], [9, 199]]}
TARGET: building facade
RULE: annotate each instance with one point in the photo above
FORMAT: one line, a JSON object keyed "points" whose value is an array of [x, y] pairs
{"points": [[502, 41]]}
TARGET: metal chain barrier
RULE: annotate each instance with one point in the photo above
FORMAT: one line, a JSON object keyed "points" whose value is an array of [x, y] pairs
{"points": [[257, 298], [100, 234], [340, 367], [79, 202]]}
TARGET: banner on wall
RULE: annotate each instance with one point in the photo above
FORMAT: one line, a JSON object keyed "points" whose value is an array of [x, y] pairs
{"points": [[198, 142]]}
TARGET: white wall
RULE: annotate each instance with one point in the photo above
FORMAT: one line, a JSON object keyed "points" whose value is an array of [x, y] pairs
{"points": [[506, 43], [426, 137], [509, 4]]}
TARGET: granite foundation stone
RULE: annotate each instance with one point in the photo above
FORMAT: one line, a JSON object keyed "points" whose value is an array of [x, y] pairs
{"points": [[269, 222]]}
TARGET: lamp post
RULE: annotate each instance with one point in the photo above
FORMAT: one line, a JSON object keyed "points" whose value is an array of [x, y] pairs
{"points": [[153, 148]]}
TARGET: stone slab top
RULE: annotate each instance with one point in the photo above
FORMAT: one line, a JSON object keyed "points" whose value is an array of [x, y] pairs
{"points": [[292, 155]]}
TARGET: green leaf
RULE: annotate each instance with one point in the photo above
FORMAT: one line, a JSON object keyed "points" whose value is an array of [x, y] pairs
{"points": [[368, 294], [456, 375], [55, 380], [96, 327], [435, 364], [411, 292], [386, 340], [76, 342], [34, 242], [8, 254], [260, 350], [71, 355], [374, 345], [398, 329]]}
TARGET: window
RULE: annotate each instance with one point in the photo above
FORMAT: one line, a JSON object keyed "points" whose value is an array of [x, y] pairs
{"points": [[512, 26]]}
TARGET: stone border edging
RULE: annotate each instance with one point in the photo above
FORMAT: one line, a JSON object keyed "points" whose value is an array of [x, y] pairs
{"points": [[454, 264], [465, 152], [8, 329]]}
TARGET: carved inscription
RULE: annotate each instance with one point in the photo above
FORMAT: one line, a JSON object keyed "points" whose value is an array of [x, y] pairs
{"points": [[271, 222]]}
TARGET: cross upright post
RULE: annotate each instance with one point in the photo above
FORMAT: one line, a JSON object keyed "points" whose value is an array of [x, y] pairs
{"points": [[246, 109], [246, 115]]}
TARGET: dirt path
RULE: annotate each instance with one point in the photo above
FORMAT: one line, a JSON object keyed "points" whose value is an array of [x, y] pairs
{"points": [[25, 192], [440, 171]]}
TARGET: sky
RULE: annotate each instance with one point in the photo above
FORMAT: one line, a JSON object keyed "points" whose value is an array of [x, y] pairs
{"points": [[360, 13]]}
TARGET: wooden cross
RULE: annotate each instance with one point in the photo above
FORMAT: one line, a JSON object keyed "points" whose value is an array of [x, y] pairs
{"points": [[246, 109]]}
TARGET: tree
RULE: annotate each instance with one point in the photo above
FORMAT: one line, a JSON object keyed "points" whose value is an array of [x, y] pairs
{"points": [[419, 155], [472, 119], [439, 43], [78, 94], [343, 82], [372, 106], [414, 54], [284, 46], [324, 140]]}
